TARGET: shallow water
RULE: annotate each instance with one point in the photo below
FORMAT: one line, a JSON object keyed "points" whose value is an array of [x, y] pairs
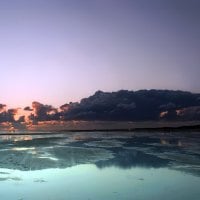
{"points": [[100, 166]]}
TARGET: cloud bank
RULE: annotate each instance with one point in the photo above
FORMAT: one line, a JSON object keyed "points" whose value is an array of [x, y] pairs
{"points": [[122, 105]]}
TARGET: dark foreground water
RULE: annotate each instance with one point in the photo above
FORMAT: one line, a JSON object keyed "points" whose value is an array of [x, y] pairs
{"points": [[101, 166]]}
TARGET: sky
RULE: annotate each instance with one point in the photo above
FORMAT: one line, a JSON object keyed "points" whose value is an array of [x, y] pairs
{"points": [[57, 51]]}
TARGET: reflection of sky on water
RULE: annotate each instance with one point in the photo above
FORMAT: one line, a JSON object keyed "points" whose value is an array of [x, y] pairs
{"points": [[85, 182], [113, 166], [173, 150]]}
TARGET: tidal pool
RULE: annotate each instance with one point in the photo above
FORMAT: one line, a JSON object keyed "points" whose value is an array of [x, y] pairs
{"points": [[100, 166]]}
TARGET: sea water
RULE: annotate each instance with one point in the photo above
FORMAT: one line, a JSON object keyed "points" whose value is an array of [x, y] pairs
{"points": [[100, 166]]}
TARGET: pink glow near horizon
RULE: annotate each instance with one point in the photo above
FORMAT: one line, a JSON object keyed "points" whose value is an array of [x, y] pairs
{"points": [[59, 51]]}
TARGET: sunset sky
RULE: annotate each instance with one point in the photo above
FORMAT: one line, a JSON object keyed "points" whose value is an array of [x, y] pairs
{"points": [[56, 51]]}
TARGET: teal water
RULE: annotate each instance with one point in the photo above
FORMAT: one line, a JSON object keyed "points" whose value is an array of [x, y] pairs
{"points": [[88, 182], [100, 166]]}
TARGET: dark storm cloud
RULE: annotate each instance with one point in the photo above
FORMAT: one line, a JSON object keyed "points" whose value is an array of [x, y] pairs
{"points": [[129, 105], [8, 115], [191, 113], [27, 108], [11, 113], [3, 114], [40, 110], [2, 107], [44, 112], [65, 107], [123, 105]]}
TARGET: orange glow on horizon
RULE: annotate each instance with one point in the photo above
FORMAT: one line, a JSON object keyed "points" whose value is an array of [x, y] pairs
{"points": [[163, 114], [21, 112]]}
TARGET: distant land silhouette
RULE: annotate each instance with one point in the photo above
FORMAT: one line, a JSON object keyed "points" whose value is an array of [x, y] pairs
{"points": [[123, 105]]}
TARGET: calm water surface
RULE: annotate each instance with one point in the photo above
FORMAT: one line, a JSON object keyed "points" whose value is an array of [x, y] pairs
{"points": [[100, 166]]}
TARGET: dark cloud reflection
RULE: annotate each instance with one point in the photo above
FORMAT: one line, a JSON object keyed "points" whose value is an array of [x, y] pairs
{"points": [[158, 150]]}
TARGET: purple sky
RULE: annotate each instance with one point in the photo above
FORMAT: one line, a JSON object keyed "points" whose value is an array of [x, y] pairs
{"points": [[56, 51]]}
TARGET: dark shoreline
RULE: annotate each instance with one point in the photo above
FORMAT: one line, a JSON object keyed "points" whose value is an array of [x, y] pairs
{"points": [[150, 129]]}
